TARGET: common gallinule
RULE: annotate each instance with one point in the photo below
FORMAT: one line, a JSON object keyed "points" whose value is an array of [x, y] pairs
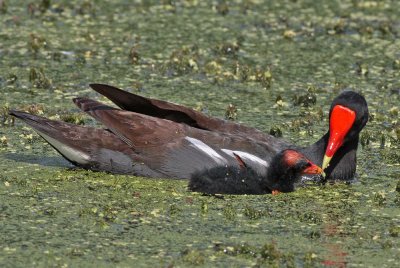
{"points": [[335, 151], [285, 171], [140, 144], [160, 139]]}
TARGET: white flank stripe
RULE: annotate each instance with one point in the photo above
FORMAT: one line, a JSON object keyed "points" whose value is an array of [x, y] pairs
{"points": [[206, 149], [66, 151], [246, 156]]}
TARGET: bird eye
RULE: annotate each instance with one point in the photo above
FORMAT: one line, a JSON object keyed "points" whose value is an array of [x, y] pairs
{"points": [[308, 164], [302, 165]]}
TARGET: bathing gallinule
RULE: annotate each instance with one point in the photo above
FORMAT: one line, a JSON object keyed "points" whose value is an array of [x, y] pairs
{"points": [[160, 139], [284, 172], [335, 151]]}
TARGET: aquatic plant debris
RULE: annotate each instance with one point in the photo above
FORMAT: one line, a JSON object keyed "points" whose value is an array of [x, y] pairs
{"points": [[280, 63]]}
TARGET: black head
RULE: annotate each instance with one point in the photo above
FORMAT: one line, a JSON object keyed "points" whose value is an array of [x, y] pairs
{"points": [[286, 169], [347, 117], [356, 103]]}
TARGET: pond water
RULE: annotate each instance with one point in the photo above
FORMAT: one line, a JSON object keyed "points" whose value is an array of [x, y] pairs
{"points": [[279, 63]]}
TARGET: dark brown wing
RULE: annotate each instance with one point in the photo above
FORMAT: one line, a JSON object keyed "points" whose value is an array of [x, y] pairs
{"points": [[181, 114], [177, 149], [156, 108], [140, 132]]}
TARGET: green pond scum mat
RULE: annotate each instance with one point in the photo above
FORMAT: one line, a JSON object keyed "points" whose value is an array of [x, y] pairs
{"points": [[274, 65]]}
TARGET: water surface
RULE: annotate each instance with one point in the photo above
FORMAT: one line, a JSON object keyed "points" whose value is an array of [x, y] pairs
{"points": [[280, 63]]}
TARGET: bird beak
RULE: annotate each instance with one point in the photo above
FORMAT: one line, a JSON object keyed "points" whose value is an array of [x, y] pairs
{"points": [[275, 192], [341, 121], [313, 169]]}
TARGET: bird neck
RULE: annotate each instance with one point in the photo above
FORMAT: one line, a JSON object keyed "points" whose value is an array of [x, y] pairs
{"points": [[343, 163]]}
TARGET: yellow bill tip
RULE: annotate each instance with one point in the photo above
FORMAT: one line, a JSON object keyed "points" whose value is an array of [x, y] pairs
{"points": [[325, 162]]}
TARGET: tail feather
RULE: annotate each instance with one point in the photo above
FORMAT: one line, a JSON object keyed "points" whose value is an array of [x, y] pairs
{"points": [[54, 133], [88, 147]]}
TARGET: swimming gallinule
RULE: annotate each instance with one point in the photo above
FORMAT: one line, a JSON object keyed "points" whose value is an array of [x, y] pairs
{"points": [[285, 171], [160, 139], [140, 144], [335, 151], [147, 146]]}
